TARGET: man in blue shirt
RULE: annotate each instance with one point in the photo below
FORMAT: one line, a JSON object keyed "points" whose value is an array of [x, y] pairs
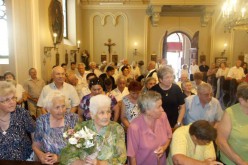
{"points": [[202, 106]]}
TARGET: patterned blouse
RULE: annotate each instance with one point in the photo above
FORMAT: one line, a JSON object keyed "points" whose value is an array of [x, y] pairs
{"points": [[85, 103], [111, 139], [132, 110], [51, 139], [15, 142]]}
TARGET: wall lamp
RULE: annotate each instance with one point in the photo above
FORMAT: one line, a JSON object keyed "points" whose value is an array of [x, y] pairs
{"points": [[135, 49], [224, 50], [76, 50], [47, 49]]}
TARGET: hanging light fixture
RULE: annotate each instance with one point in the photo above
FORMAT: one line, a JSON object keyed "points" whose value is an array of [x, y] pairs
{"points": [[235, 14]]}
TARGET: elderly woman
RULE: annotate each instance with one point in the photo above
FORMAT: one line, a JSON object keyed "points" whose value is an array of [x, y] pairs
{"points": [[150, 133], [172, 96], [110, 137], [232, 130], [16, 126], [96, 88], [149, 82], [20, 92], [187, 88], [48, 137], [130, 109]]}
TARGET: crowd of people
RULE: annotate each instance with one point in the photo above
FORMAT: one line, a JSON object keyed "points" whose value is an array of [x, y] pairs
{"points": [[139, 119]]}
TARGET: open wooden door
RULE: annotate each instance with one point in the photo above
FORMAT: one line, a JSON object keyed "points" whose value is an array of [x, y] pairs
{"points": [[194, 47], [165, 45]]}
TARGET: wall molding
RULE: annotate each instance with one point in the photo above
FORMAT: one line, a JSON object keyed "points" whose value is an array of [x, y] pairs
{"points": [[114, 22]]}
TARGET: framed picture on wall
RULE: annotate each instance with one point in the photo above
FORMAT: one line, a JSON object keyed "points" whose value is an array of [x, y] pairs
{"points": [[73, 56], [115, 58], [154, 57], [103, 58], [219, 60]]}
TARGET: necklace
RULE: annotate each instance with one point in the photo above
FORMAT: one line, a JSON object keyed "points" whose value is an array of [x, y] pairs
{"points": [[4, 120], [4, 123], [3, 132]]}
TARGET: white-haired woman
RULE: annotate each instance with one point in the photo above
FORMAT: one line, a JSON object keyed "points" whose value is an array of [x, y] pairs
{"points": [[16, 126], [48, 137], [149, 135], [110, 137]]}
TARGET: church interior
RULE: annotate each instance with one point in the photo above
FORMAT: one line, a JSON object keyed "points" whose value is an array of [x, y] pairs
{"points": [[140, 63], [135, 29]]}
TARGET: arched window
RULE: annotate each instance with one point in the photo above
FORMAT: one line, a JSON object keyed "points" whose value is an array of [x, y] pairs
{"points": [[4, 43], [64, 6]]}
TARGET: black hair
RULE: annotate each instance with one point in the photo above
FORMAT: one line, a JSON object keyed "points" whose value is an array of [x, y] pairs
{"points": [[95, 81]]}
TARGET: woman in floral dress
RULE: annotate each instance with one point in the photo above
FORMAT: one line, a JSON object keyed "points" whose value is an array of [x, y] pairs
{"points": [[109, 141], [48, 137], [130, 109]]}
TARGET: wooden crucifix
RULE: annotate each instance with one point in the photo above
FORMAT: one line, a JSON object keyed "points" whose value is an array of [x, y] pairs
{"points": [[109, 45]]}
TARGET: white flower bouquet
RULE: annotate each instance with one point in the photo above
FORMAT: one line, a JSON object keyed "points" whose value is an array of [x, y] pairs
{"points": [[82, 139]]}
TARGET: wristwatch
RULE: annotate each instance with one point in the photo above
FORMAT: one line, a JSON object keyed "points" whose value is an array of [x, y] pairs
{"points": [[179, 124]]}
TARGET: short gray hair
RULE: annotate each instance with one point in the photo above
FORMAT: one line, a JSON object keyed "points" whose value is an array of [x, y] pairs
{"points": [[204, 86], [81, 64], [147, 101], [121, 77], [97, 102], [242, 91], [164, 71], [53, 95], [6, 88]]}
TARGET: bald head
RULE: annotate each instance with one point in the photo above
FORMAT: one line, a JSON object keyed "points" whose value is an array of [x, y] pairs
{"points": [[58, 74], [72, 79]]}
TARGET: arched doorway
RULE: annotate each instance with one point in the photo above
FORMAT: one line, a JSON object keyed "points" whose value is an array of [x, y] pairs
{"points": [[179, 49]]}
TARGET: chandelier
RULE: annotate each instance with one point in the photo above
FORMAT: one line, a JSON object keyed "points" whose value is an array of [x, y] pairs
{"points": [[235, 15]]}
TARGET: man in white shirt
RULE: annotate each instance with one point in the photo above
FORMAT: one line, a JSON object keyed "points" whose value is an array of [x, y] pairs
{"points": [[193, 69], [236, 72], [235, 76], [121, 90], [81, 75], [152, 71], [94, 69], [58, 76]]}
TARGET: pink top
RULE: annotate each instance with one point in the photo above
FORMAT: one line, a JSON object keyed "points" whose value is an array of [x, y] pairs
{"points": [[142, 141]]}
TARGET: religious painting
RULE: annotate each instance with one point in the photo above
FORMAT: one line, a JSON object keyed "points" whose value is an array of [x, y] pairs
{"points": [[73, 56], [219, 60], [56, 19], [103, 58], [115, 58], [85, 59], [66, 57], [153, 57], [202, 58]]}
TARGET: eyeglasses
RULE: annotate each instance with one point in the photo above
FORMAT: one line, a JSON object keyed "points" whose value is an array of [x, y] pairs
{"points": [[8, 100]]}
